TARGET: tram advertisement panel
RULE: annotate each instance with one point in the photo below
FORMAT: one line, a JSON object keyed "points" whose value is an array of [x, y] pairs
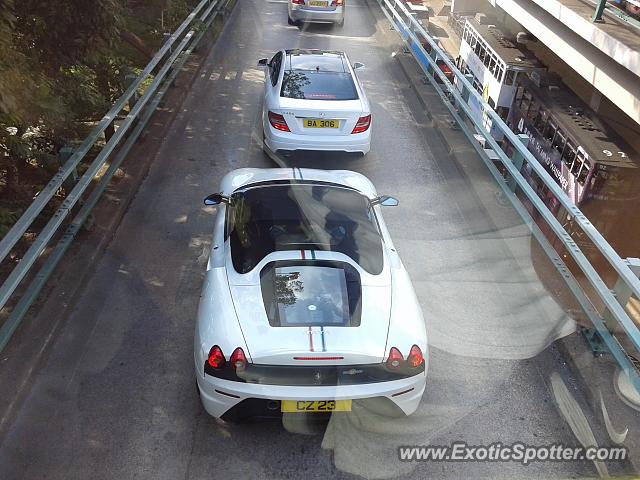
{"points": [[541, 149]]}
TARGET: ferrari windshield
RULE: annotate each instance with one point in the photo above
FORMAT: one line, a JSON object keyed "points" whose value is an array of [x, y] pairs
{"points": [[269, 218]]}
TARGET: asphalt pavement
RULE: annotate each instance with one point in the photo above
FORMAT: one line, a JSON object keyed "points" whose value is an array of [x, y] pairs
{"points": [[115, 397]]}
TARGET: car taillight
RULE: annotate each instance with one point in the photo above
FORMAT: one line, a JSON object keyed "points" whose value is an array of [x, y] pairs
{"points": [[415, 358], [362, 125], [238, 360], [216, 357], [337, 3], [297, 2], [278, 122], [395, 359]]}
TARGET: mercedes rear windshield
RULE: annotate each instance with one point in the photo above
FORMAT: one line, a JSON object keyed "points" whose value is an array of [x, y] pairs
{"points": [[312, 85]]}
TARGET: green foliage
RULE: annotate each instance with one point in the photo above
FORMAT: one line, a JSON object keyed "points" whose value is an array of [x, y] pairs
{"points": [[62, 65], [7, 218], [64, 33]]}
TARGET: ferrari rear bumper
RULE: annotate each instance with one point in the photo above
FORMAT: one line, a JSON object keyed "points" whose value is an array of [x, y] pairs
{"points": [[219, 395]]}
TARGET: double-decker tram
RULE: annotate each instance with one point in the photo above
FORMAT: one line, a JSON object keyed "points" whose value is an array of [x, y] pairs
{"points": [[597, 170], [495, 62]]}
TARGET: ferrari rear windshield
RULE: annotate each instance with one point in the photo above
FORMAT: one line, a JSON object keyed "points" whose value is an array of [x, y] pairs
{"points": [[318, 85], [311, 294], [266, 219]]}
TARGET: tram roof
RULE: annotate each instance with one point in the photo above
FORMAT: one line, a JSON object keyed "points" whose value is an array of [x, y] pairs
{"points": [[581, 123], [504, 46]]}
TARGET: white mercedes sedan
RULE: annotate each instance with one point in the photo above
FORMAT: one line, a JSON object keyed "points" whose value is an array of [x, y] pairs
{"points": [[316, 11], [306, 306], [313, 100]]}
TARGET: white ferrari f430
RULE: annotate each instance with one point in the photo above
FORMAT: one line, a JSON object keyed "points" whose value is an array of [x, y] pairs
{"points": [[306, 306]]}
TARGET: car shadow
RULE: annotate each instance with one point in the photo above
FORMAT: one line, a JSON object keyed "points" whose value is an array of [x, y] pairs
{"points": [[317, 159], [351, 28]]}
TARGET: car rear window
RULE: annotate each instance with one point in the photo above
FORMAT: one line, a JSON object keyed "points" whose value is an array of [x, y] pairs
{"points": [[266, 219], [310, 85]]}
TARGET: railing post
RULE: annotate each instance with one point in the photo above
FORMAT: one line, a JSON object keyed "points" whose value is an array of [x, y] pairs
{"points": [[65, 154], [128, 80], [518, 160], [622, 293], [597, 15]]}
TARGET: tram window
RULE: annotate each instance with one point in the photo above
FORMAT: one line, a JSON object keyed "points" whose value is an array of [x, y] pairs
{"points": [[540, 120], [575, 168], [509, 77], [549, 131], [481, 51], [491, 61], [584, 171], [499, 72], [558, 141], [491, 103], [519, 94], [473, 41], [569, 154], [492, 65]]}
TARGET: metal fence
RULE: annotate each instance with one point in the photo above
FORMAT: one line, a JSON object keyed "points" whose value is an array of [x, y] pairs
{"points": [[160, 73], [613, 326]]}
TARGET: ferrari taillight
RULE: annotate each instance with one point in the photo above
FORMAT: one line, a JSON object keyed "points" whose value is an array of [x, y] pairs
{"points": [[415, 358], [395, 359], [297, 2], [337, 3], [216, 357], [238, 360]]}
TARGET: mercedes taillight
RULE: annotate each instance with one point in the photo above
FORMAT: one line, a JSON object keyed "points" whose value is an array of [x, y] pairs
{"points": [[278, 122], [362, 124]]}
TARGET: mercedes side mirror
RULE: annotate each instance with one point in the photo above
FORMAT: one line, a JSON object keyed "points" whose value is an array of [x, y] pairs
{"points": [[216, 199], [385, 201], [263, 62], [358, 66]]}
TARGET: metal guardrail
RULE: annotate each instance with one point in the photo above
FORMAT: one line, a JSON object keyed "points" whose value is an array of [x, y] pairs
{"points": [[166, 64], [457, 102]]}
